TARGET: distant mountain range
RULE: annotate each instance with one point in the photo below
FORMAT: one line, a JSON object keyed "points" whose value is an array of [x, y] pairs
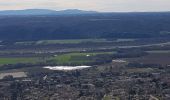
{"points": [[45, 12]]}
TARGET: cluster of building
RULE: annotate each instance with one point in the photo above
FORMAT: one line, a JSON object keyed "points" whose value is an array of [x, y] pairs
{"points": [[105, 82]]}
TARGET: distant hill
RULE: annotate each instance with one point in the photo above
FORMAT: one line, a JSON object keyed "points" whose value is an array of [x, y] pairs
{"points": [[44, 12], [75, 11]]}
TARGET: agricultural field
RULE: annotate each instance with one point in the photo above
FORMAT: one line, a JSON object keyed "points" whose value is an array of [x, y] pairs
{"points": [[77, 58], [68, 58], [82, 51], [4, 61]]}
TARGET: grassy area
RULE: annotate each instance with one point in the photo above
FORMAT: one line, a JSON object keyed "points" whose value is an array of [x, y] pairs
{"points": [[76, 58], [68, 41], [64, 59], [19, 60]]}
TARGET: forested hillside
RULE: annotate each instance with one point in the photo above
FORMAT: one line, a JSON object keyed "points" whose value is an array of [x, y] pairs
{"points": [[102, 25]]}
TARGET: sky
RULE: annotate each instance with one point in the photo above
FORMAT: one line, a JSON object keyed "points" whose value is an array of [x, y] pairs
{"points": [[95, 5]]}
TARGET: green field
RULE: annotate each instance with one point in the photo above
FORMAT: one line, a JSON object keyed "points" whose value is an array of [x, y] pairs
{"points": [[76, 58], [19, 60], [62, 59]]}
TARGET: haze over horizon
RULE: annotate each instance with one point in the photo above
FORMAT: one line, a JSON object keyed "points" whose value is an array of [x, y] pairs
{"points": [[94, 5]]}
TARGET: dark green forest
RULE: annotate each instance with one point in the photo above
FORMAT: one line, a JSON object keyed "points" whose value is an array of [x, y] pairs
{"points": [[102, 25]]}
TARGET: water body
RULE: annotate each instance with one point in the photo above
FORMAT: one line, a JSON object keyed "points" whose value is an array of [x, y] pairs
{"points": [[66, 68]]}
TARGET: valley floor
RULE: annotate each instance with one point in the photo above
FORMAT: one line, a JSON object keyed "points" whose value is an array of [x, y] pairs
{"points": [[110, 69]]}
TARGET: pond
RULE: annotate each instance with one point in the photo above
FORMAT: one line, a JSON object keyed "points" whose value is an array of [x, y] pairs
{"points": [[66, 68]]}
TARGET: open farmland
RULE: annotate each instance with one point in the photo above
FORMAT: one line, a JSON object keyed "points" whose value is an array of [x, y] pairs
{"points": [[19, 60], [77, 58], [58, 59]]}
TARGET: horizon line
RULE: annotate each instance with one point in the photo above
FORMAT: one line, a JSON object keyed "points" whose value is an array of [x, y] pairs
{"points": [[85, 10]]}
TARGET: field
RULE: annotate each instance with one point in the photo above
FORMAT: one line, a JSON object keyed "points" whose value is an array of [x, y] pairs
{"points": [[77, 58], [84, 51], [19, 60], [68, 58]]}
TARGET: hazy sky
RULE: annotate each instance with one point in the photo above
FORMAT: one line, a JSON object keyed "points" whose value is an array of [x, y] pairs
{"points": [[98, 5]]}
